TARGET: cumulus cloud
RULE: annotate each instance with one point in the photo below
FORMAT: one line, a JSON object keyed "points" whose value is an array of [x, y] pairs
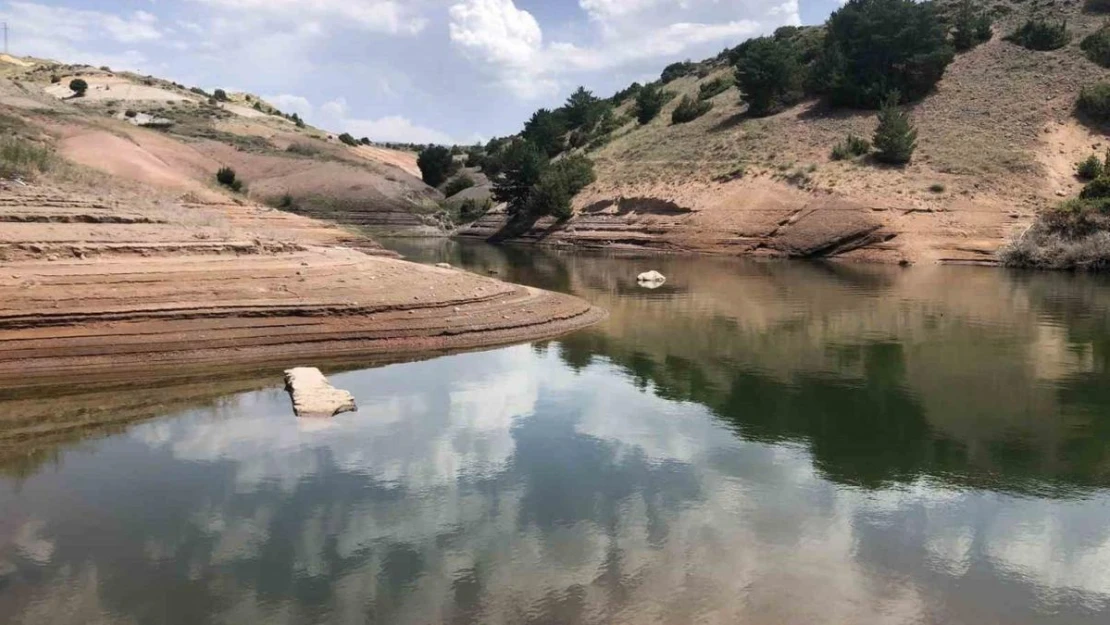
{"points": [[509, 42], [336, 115]]}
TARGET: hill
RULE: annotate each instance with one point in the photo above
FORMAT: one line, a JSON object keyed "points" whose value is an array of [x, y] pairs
{"points": [[282, 160], [124, 259], [998, 140]]}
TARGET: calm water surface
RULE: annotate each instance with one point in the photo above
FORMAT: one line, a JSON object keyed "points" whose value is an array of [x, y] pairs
{"points": [[760, 443]]}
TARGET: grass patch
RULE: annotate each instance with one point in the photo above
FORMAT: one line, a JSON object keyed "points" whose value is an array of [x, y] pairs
{"points": [[20, 157], [937, 187]]}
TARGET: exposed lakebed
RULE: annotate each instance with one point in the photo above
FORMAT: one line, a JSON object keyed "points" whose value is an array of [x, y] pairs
{"points": [[750, 442]]}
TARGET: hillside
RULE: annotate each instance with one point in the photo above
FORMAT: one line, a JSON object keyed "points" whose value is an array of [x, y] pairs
{"points": [[123, 259], [998, 141], [283, 161]]}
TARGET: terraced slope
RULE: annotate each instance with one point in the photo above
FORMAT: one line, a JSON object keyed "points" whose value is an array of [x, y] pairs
{"points": [[91, 290]]}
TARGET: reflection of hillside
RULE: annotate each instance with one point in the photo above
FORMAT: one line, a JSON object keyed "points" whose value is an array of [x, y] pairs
{"points": [[35, 429], [969, 375]]}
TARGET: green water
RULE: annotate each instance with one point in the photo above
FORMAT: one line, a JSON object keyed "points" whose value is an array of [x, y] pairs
{"points": [[749, 443]]}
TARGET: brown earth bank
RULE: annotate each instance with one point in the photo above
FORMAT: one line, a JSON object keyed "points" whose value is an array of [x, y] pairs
{"points": [[99, 289]]}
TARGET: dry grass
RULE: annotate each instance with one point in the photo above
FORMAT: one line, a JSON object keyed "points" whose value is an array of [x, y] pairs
{"points": [[21, 158]]}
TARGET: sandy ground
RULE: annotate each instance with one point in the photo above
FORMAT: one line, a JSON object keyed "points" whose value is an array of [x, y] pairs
{"points": [[96, 290], [114, 88]]}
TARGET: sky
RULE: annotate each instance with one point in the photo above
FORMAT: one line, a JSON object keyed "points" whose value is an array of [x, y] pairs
{"points": [[422, 71]]}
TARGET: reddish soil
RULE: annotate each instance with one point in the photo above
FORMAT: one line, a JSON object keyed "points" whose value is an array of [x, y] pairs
{"points": [[93, 290]]}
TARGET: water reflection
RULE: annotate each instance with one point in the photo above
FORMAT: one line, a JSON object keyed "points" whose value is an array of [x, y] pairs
{"points": [[757, 443]]}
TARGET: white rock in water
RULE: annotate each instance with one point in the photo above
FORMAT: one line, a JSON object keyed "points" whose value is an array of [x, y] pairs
{"points": [[313, 396], [651, 279]]}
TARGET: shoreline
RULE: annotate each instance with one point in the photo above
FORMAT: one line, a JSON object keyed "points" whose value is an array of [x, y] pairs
{"points": [[85, 298]]}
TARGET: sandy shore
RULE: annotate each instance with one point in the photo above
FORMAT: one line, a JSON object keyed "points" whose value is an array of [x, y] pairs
{"points": [[95, 291]]}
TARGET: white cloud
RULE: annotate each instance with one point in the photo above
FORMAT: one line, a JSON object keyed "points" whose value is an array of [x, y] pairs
{"points": [[80, 35], [509, 43], [386, 16]]}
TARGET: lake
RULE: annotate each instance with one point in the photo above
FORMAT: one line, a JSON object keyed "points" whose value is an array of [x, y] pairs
{"points": [[752, 442]]}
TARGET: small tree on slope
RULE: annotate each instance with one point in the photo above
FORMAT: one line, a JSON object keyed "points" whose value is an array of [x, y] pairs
{"points": [[895, 138]]}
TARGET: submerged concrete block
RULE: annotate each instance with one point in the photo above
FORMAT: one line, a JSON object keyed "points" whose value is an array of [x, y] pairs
{"points": [[314, 396]]}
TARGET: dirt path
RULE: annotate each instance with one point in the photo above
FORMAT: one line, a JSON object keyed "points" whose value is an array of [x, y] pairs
{"points": [[90, 290]]}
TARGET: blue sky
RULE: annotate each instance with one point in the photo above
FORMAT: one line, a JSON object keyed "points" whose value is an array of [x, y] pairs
{"points": [[399, 70]]}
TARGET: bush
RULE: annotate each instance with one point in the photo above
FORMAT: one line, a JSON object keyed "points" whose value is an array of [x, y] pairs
{"points": [[1097, 189], [472, 209], [129, 113], [895, 138], [972, 27], [675, 71], [1094, 101], [364, 141], [714, 87], [21, 157], [459, 183], [558, 185], [936, 187], [689, 109], [852, 146], [770, 75], [226, 177], [436, 164], [630, 91], [1089, 168], [1040, 34], [220, 95], [649, 101], [1097, 46], [303, 149], [79, 87], [55, 79], [873, 47], [347, 139]]}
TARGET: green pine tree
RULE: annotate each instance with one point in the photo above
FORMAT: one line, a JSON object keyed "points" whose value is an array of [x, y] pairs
{"points": [[896, 137]]}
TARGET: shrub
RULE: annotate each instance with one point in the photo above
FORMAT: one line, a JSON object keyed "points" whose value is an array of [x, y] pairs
{"points": [[1040, 34], [1097, 189], [459, 183], [895, 138], [630, 91], [558, 185], [303, 149], [55, 79], [873, 47], [472, 209], [297, 120], [1094, 101], [347, 139], [714, 87], [972, 27], [226, 177], [675, 71], [79, 87], [129, 113], [649, 101], [850, 147], [689, 109], [936, 187], [364, 141], [436, 164], [258, 106], [21, 157], [1097, 46], [1089, 168], [220, 95], [770, 75]]}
